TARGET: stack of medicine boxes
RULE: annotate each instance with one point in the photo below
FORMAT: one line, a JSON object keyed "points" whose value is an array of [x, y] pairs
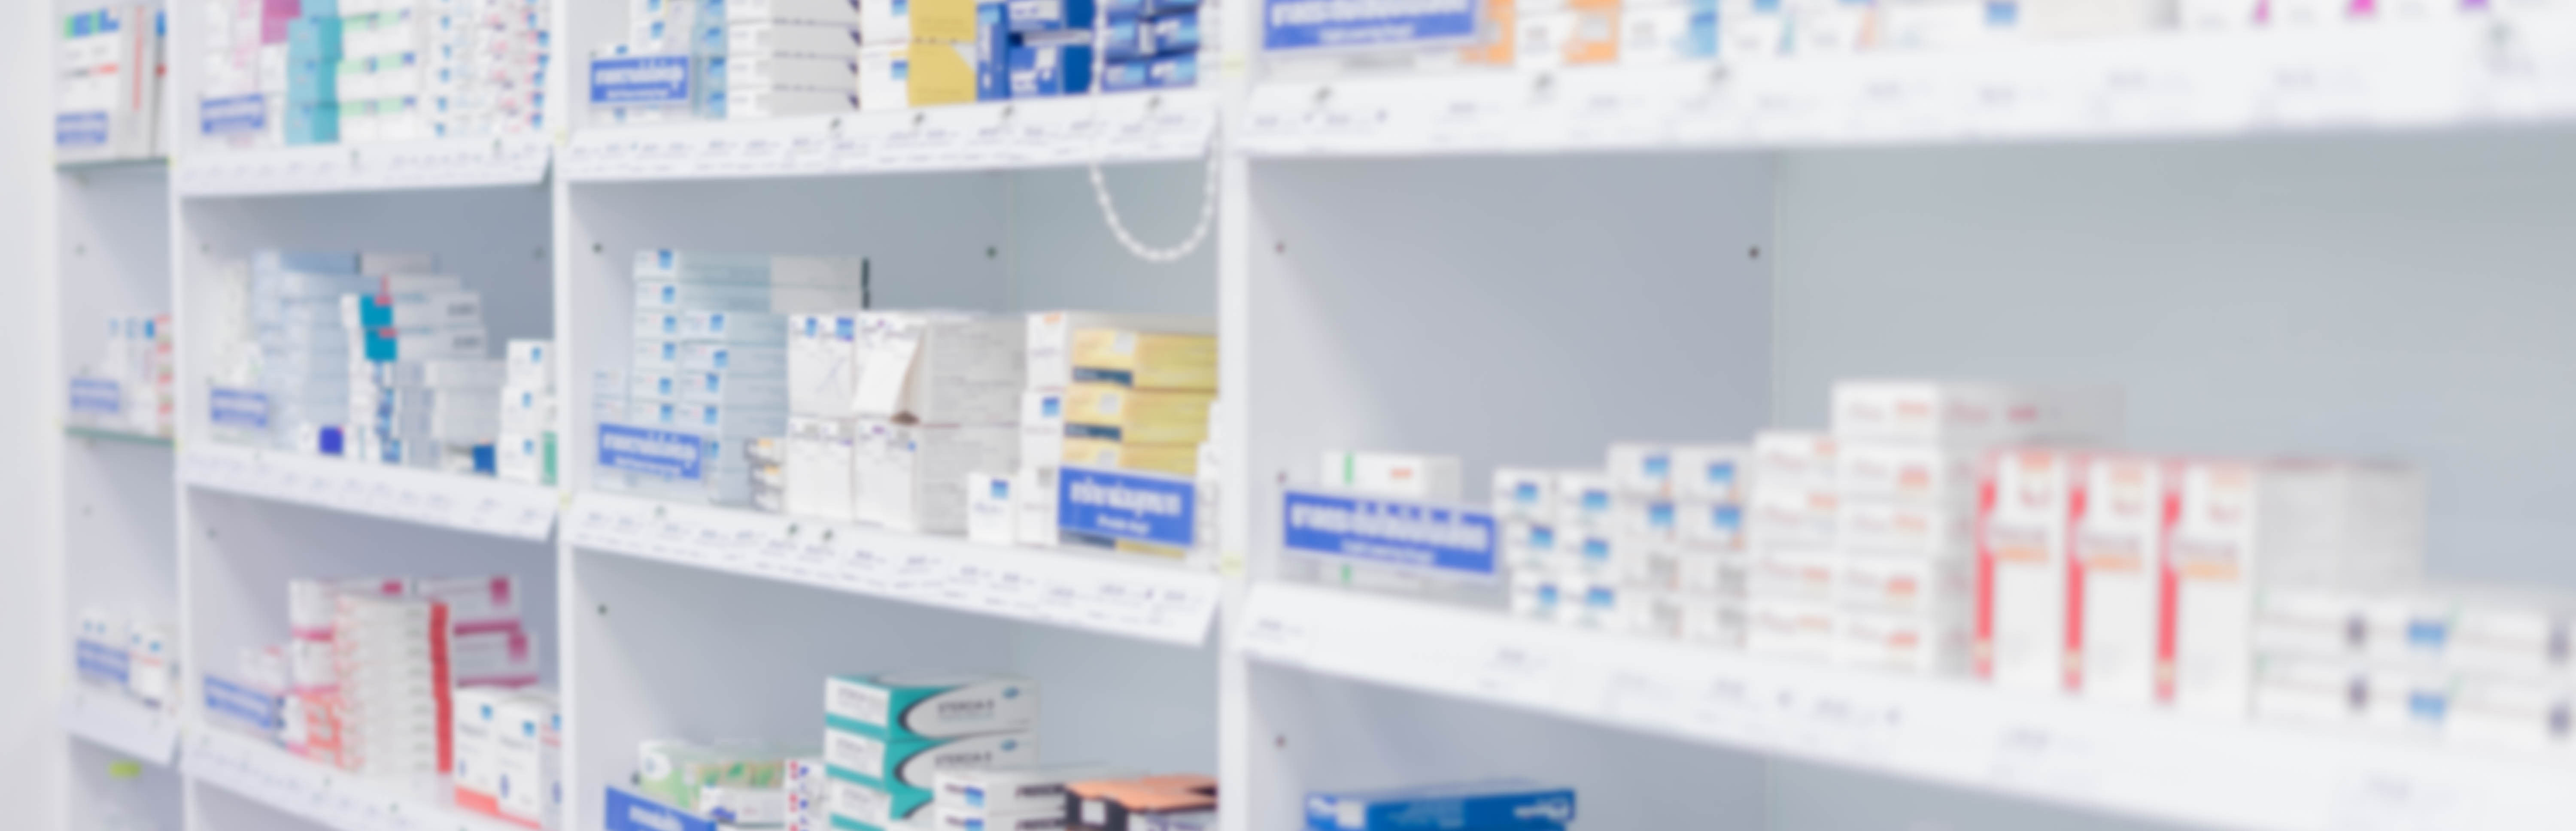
{"points": [[1136, 399], [140, 365], [1677, 540], [242, 91], [313, 76], [107, 83], [1044, 52], [1153, 44], [885, 55], [526, 445], [710, 357], [526, 758], [821, 463], [303, 356], [893, 410], [694, 28], [422, 394], [393, 706], [887, 737], [1793, 532], [782, 58], [384, 68], [935, 398], [1043, 430], [487, 68], [1907, 460]]}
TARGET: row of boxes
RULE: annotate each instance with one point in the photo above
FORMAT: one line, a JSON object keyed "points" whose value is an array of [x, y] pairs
{"points": [[108, 80]]}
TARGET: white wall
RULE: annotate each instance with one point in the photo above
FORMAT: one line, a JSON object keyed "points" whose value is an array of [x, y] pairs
{"points": [[30, 742]]}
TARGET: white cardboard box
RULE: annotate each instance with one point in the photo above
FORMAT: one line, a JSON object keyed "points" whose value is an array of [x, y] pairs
{"points": [[913, 477]]}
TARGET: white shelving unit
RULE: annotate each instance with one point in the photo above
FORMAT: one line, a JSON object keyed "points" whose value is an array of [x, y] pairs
{"points": [[2344, 241], [481, 504]]}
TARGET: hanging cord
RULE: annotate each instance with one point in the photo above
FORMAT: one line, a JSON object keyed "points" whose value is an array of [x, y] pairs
{"points": [[1100, 183]]}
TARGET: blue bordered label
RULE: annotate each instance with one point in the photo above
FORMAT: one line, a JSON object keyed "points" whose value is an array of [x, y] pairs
{"points": [[97, 396], [1390, 531], [86, 128], [669, 454], [640, 79], [230, 407], [1128, 505], [1325, 24]]}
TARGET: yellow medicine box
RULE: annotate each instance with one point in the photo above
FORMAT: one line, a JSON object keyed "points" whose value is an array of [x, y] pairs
{"points": [[1144, 360], [1139, 416], [1175, 459]]}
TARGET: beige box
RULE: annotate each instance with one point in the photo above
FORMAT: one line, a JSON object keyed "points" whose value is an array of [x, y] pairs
{"points": [[913, 477], [1050, 338]]}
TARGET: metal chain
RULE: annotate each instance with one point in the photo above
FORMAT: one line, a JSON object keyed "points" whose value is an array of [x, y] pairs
{"points": [[1100, 183]]}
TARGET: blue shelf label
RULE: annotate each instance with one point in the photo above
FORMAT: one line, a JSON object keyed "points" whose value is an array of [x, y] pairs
{"points": [[666, 453], [97, 396], [628, 811], [1128, 505], [1392, 531], [87, 128], [231, 407], [1320, 24], [640, 79], [232, 114]]}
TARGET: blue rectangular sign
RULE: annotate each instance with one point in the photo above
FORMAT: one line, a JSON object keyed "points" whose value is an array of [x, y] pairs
{"points": [[628, 811], [640, 79], [100, 662], [97, 396], [1392, 531], [231, 407], [232, 115], [87, 128], [1321, 24], [670, 454], [1128, 505]]}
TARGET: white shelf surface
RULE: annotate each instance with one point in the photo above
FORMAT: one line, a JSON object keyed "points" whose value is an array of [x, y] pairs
{"points": [[336, 168], [2215, 772], [2386, 76], [122, 724], [1137, 127], [467, 503], [1113, 594], [268, 774]]}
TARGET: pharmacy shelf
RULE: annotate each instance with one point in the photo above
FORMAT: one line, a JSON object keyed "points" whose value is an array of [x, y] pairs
{"points": [[122, 724], [263, 772], [337, 168], [2215, 772], [2355, 78], [1021, 134], [467, 503], [83, 165], [1114, 594], [123, 436]]}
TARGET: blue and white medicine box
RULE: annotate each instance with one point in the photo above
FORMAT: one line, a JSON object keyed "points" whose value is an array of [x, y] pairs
{"points": [[1041, 71], [1050, 15], [1397, 532], [1123, 38], [1172, 34], [992, 48], [1336, 24], [1495, 805]]}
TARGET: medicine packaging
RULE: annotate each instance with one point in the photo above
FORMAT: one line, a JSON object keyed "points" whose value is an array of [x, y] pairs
{"points": [[930, 704], [1392, 474], [1490, 804]]}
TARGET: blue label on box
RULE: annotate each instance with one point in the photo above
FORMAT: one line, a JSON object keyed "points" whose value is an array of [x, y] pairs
{"points": [[631, 812], [664, 453], [96, 396], [101, 662], [640, 79], [87, 128], [230, 407], [1127, 505], [1310, 24], [1392, 531]]}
